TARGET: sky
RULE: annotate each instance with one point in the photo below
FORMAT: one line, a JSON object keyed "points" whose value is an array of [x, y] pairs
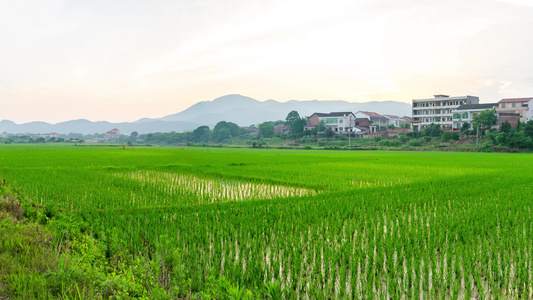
{"points": [[123, 60]]}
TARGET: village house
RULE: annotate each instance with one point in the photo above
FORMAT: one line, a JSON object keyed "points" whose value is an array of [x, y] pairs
{"points": [[465, 113], [280, 128], [112, 134], [379, 121], [515, 106], [339, 122], [396, 121], [509, 117]]}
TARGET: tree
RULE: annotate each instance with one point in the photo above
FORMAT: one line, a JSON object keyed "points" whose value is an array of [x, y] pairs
{"points": [[528, 128], [321, 126], [133, 136], [295, 123], [225, 130], [329, 133], [484, 120], [292, 116], [433, 130], [505, 127], [465, 127], [201, 134], [266, 130]]}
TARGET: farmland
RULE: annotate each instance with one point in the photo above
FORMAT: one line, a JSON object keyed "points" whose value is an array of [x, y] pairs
{"points": [[321, 224]]}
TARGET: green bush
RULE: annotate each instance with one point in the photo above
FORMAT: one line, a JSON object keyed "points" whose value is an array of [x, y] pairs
{"points": [[449, 136], [389, 143], [415, 142]]}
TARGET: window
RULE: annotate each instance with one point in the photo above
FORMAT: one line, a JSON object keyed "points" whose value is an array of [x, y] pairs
{"points": [[514, 104], [340, 121], [503, 105], [331, 120], [465, 115]]}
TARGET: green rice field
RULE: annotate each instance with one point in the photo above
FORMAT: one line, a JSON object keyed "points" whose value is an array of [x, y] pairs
{"points": [[322, 224]]}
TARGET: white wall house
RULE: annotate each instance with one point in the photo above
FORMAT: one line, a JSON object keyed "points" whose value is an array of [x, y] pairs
{"points": [[381, 122], [465, 113], [339, 122], [396, 121]]}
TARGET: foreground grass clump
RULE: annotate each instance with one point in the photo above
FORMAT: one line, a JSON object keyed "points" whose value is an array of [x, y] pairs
{"points": [[244, 223]]}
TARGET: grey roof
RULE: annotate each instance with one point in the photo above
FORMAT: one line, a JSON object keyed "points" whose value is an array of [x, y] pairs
{"points": [[477, 106]]}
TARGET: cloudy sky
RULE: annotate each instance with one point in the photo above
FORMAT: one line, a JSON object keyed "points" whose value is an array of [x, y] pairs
{"points": [[121, 60]]}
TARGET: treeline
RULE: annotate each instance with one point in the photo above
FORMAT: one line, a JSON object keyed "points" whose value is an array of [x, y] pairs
{"points": [[225, 132]]}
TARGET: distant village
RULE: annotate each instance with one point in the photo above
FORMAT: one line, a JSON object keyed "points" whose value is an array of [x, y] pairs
{"points": [[450, 113]]}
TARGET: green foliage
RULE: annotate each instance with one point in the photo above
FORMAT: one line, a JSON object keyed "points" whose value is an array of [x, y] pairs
{"points": [[465, 127], [321, 126], [415, 143], [433, 130], [201, 134], [448, 136], [484, 120], [266, 130], [505, 127], [329, 133], [390, 143]]}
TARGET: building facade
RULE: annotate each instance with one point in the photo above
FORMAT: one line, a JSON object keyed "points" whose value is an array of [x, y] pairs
{"points": [[112, 134], [438, 110], [515, 106], [339, 122], [465, 113], [381, 122]]}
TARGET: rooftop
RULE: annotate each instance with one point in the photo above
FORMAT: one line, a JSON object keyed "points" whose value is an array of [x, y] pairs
{"points": [[373, 115], [444, 98], [515, 100], [334, 114], [477, 106]]}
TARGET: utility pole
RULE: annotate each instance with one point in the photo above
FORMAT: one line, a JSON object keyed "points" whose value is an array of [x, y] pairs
{"points": [[477, 137]]}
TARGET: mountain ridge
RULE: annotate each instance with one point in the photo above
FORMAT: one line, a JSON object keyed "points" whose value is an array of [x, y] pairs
{"points": [[242, 110]]}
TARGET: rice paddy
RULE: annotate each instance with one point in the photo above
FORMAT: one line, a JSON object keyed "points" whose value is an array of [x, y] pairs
{"points": [[324, 224]]}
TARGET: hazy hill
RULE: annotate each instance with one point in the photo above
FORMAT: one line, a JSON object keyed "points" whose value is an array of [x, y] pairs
{"points": [[239, 109], [88, 127], [246, 111]]}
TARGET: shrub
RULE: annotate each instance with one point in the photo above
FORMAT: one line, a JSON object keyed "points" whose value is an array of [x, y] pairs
{"points": [[415, 142], [449, 136]]}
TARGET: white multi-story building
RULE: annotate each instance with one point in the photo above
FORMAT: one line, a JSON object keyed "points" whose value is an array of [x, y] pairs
{"points": [[438, 110]]}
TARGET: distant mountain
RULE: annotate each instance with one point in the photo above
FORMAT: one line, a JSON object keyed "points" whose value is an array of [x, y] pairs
{"points": [[88, 127], [238, 109], [245, 111]]}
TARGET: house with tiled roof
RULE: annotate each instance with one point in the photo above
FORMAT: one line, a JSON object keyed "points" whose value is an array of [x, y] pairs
{"points": [[396, 121], [380, 121], [519, 106], [339, 122], [112, 134]]}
